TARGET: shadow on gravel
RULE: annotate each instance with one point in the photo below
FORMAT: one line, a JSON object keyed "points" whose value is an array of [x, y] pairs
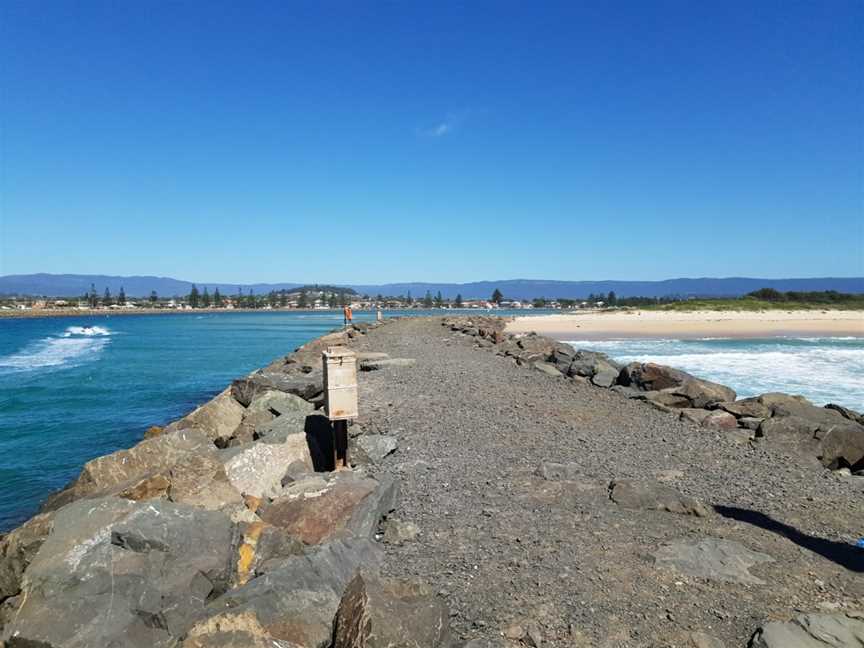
{"points": [[845, 555], [319, 437]]}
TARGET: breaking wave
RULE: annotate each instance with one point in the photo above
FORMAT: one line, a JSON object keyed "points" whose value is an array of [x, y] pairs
{"points": [[825, 370]]}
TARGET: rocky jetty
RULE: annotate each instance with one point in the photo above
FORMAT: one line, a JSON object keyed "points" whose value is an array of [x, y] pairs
{"points": [[507, 490]]}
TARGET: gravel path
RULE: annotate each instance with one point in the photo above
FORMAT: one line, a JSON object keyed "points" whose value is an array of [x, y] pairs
{"points": [[558, 562]]}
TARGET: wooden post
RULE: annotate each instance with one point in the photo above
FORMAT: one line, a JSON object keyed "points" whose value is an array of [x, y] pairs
{"points": [[340, 391]]}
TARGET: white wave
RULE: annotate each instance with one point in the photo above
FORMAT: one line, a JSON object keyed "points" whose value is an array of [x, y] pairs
{"points": [[55, 352], [829, 370], [89, 331]]}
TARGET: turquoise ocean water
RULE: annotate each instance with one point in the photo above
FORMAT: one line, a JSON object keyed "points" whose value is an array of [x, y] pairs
{"points": [[68, 394]]}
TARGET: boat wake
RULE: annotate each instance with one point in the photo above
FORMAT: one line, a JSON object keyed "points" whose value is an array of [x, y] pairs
{"points": [[76, 345]]}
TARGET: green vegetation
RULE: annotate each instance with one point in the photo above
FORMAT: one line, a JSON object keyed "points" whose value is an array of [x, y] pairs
{"points": [[767, 299]]}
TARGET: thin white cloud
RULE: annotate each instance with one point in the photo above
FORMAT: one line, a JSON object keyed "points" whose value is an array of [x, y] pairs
{"points": [[447, 126]]}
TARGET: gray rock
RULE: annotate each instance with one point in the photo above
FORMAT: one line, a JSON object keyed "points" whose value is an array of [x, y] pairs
{"points": [[257, 469], [381, 613], [812, 631], [372, 448], [121, 471], [787, 425], [702, 640], [398, 531], [645, 495], [650, 376], [702, 393], [843, 446], [386, 363], [17, 549], [218, 419], [278, 429], [296, 471], [279, 403], [305, 385], [605, 377], [123, 573], [627, 392], [750, 422], [712, 558], [551, 471], [371, 355], [547, 368], [667, 399], [294, 599], [852, 415]]}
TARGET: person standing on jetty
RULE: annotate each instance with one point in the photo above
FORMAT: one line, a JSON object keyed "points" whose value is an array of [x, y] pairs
{"points": [[347, 315]]}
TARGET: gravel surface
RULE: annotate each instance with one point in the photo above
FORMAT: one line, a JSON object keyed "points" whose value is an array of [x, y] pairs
{"points": [[558, 562]]}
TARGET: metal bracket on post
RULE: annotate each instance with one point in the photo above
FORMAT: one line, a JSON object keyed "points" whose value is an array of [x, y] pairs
{"points": [[340, 397]]}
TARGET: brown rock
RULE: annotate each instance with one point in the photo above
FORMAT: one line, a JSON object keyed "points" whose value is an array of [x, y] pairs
{"points": [[748, 407], [153, 486], [314, 511], [379, 613], [218, 418], [637, 494], [720, 419]]}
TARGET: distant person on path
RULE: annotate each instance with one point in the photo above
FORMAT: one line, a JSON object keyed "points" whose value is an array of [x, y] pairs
{"points": [[347, 315]]}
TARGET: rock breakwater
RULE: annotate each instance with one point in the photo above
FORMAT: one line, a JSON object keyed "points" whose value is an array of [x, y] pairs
{"points": [[507, 490]]}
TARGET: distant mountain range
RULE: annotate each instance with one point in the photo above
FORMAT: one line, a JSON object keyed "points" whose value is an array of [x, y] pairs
{"points": [[69, 285]]}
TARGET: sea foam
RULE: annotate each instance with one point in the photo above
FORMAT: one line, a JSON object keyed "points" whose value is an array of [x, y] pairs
{"points": [[825, 370], [75, 345]]}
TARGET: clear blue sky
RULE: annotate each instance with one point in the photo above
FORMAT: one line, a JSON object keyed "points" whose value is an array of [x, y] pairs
{"points": [[372, 142]]}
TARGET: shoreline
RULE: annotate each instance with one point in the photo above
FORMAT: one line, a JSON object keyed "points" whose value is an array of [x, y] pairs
{"points": [[642, 324], [242, 493]]}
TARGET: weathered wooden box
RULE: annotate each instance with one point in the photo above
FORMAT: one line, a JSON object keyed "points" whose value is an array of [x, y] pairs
{"points": [[340, 383]]}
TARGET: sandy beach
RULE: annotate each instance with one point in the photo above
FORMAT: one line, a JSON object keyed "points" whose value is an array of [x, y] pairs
{"points": [[696, 324]]}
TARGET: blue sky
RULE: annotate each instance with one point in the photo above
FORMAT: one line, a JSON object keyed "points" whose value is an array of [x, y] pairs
{"points": [[372, 142]]}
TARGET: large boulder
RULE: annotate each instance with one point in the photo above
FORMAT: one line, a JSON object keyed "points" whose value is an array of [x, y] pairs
{"points": [[17, 549], [381, 613], [371, 448], [306, 385], [702, 393], [745, 408], [841, 630], [257, 468], [128, 471], [718, 419], [230, 630], [201, 480], [653, 377], [649, 376], [842, 446], [218, 418], [315, 509], [123, 573], [294, 599], [845, 412], [646, 495]]}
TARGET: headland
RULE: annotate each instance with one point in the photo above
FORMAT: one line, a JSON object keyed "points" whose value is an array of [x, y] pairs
{"points": [[508, 490]]}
